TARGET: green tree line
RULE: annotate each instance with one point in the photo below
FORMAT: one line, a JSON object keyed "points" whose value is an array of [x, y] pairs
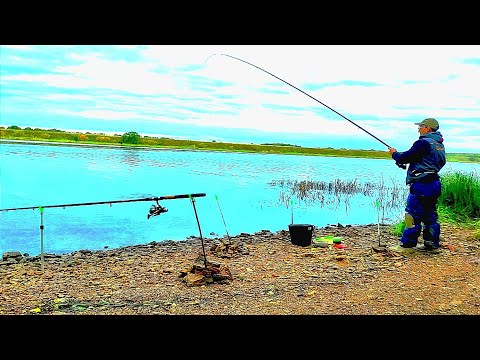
{"points": [[132, 138]]}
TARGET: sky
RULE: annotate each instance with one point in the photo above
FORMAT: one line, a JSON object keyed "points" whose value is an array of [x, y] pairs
{"points": [[338, 96]]}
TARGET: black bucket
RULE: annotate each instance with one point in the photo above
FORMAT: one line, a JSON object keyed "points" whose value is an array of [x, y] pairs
{"points": [[301, 234]]}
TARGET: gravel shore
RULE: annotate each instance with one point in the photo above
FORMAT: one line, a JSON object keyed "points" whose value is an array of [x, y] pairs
{"points": [[264, 274]]}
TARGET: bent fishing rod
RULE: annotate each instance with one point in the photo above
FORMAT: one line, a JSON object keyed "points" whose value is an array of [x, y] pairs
{"points": [[310, 96]]}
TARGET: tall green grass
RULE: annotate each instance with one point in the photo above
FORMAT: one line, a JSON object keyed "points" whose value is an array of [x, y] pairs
{"points": [[460, 195], [459, 202]]}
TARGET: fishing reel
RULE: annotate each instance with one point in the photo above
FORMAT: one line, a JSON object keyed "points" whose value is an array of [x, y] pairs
{"points": [[156, 210]]}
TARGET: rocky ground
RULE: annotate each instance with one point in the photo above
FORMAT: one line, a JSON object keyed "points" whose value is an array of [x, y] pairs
{"points": [[255, 274]]}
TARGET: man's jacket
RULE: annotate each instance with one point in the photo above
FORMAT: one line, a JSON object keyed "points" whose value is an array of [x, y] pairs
{"points": [[426, 158]]}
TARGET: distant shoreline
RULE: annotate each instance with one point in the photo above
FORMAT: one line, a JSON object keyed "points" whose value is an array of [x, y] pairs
{"points": [[59, 143], [190, 145]]}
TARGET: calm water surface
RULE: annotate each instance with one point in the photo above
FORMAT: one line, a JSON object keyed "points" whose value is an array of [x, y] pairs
{"points": [[237, 186]]}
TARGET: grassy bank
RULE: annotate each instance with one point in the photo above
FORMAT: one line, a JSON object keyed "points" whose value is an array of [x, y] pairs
{"points": [[459, 203], [53, 135]]}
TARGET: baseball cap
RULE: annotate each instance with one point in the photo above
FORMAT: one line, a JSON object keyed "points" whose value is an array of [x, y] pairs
{"points": [[430, 122]]}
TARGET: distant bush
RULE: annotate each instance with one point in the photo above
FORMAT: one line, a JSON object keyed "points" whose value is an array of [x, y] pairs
{"points": [[131, 137], [280, 144]]}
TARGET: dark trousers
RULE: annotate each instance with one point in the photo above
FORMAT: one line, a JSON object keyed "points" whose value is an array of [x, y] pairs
{"points": [[422, 206]]}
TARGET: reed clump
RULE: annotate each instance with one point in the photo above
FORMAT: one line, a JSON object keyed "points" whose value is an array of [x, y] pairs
{"points": [[459, 202], [339, 191]]}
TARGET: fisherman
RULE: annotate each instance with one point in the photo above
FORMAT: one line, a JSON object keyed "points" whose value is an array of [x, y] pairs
{"points": [[426, 158]]}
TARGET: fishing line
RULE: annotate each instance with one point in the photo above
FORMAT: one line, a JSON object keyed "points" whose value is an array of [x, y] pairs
{"points": [[310, 96], [291, 206], [216, 198]]}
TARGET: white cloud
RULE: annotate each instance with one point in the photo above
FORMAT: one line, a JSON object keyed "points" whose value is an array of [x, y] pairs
{"points": [[17, 47], [176, 84]]}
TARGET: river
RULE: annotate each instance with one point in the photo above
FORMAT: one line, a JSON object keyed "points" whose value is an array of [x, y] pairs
{"points": [[242, 194]]}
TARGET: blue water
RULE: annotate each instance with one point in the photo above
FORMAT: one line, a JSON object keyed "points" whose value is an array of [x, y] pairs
{"points": [[237, 186]]}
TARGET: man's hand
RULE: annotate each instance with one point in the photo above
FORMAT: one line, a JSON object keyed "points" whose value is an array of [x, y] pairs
{"points": [[401, 166]]}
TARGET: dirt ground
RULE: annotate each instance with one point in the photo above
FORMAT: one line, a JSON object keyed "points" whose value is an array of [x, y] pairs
{"points": [[268, 276]]}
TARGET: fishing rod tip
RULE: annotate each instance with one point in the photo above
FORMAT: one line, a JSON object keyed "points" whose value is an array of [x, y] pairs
{"points": [[209, 57]]}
